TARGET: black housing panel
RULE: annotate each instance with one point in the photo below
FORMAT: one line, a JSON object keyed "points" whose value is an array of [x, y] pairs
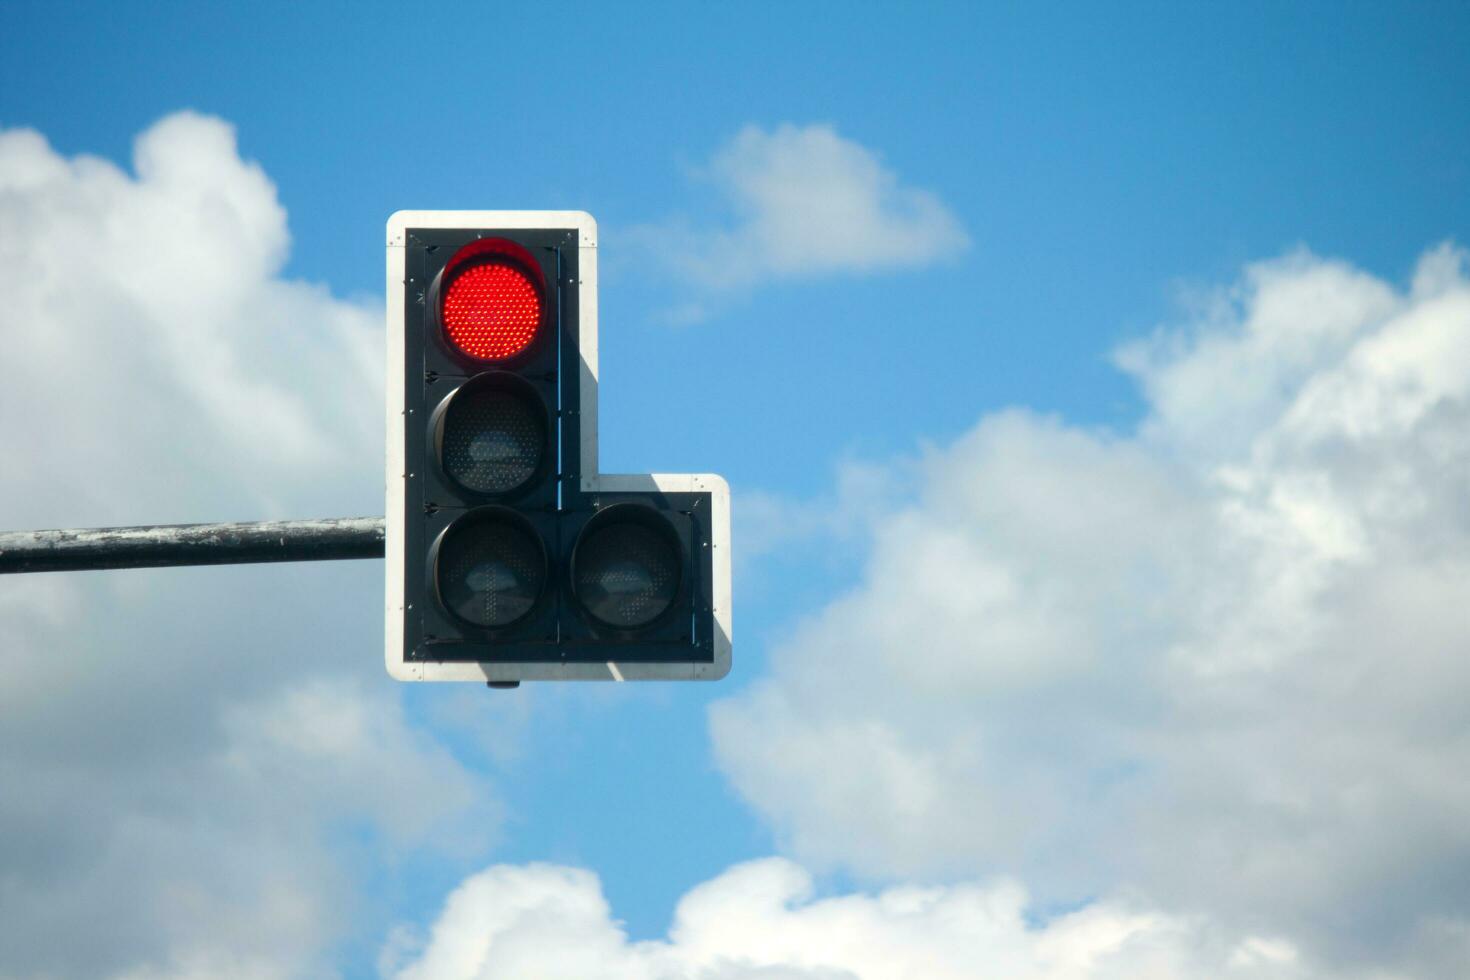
{"points": [[558, 628]]}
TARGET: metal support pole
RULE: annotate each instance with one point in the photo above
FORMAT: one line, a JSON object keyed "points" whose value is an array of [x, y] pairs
{"points": [[89, 549]]}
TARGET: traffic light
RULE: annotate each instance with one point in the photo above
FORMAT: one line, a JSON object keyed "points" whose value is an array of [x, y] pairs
{"points": [[509, 557]]}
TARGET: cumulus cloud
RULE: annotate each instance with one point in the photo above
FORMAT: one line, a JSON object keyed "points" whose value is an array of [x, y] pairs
{"points": [[762, 921], [864, 492], [197, 767], [152, 305], [1219, 661], [806, 202]]}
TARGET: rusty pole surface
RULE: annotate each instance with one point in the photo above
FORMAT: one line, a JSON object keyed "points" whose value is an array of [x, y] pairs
{"points": [[167, 545]]}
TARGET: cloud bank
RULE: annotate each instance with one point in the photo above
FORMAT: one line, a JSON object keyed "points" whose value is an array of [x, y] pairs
{"points": [[1218, 663], [199, 767], [1202, 684], [761, 921]]}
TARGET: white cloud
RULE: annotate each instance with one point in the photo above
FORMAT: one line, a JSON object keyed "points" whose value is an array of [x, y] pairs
{"points": [[863, 494], [198, 768], [152, 307], [1220, 661], [762, 921], [806, 202]]}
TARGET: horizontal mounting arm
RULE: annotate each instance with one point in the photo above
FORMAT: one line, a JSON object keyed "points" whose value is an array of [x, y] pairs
{"points": [[91, 549]]}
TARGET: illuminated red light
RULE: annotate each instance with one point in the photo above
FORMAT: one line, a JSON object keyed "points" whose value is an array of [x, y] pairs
{"points": [[491, 311]]}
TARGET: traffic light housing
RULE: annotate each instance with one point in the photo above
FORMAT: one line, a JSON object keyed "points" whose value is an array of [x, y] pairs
{"points": [[509, 556]]}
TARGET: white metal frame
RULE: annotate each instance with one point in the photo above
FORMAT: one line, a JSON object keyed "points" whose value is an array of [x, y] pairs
{"points": [[592, 481]]}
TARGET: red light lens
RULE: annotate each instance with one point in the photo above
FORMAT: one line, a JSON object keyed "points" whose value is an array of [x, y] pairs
{"points": [[491, 311]]}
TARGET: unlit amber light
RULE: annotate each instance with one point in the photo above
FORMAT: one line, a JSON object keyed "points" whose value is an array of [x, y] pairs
{"points": [[491, 311]]}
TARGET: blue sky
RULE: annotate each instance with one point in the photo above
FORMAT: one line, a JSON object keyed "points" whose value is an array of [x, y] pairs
{"points": [[1250, 201]]}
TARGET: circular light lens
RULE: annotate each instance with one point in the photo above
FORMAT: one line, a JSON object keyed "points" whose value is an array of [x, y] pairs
{"points": [[490, 570], [626, 573], [491, 311], [493, 438]]}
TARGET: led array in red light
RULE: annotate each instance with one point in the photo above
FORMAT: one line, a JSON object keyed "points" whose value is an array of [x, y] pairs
{"points": [[491, 311]]}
